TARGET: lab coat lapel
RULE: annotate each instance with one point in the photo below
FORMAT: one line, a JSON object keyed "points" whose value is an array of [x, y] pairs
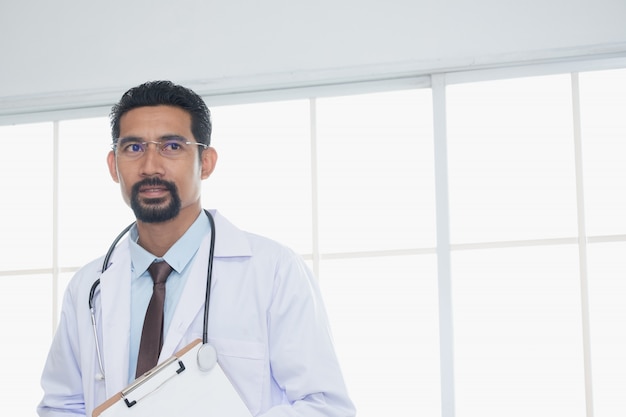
{"points": [[229, 242], [115, 296]]}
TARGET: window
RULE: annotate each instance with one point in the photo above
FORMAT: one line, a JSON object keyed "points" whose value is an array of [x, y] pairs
{"points": [[26, 254], [535, 180], [511, 160], [603, 129], [262, 181]]}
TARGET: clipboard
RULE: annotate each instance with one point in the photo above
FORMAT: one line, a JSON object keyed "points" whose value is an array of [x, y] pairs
{"points": [[190, 383]]}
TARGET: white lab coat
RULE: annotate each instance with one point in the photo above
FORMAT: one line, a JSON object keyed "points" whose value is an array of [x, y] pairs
{"points": [[266, 320]]}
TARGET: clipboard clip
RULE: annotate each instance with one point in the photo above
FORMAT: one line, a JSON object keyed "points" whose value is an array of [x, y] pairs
{"points": [[152, 380]]}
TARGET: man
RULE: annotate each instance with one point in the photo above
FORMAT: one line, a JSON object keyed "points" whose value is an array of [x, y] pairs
{"points": [[266, 318]]}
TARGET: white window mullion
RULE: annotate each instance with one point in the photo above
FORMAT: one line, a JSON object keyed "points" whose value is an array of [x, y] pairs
{"points": [[314, 188], [582, 246], [446, 333], [55, 225]]}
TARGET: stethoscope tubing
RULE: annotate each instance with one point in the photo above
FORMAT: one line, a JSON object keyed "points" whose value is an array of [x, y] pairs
{"points": [[105, 265]]}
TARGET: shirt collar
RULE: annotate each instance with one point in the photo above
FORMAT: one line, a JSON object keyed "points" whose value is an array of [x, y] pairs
{"points": [[178, 256]]}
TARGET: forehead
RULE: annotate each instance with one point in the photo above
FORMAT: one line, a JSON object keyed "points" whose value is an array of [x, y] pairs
{"points": [[155, 121]]}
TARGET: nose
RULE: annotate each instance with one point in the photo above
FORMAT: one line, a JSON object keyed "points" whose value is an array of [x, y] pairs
{"points": [[152, 160]]}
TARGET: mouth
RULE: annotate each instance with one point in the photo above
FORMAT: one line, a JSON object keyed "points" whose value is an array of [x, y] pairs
{"points": [[153, 191]]}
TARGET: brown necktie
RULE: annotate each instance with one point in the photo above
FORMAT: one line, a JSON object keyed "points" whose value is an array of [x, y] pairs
{"points": [[152, 333]]}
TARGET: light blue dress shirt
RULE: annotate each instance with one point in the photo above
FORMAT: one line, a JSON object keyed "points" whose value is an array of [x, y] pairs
{"points": [[180, 257]]}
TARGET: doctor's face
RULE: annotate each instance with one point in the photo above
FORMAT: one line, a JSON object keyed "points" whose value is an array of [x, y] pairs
{"points": [[159, 173]]}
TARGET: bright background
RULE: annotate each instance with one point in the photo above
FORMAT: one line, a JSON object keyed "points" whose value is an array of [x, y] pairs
{"points": [[529, 212]]}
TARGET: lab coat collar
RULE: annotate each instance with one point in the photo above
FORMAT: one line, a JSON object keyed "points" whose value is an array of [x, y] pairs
{"points": [[230, 241]]}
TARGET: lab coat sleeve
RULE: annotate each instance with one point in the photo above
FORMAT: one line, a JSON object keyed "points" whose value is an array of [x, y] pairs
{"points": [[302, 356], [61, 378]]}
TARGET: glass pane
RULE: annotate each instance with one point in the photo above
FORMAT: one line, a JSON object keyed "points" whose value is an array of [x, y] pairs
{"points": [[91, 209], [26, 221], [607, 290], [376, 175], [518, 337], [384, 317], [262, 180], [25, 341], [603, 121], [511, 160]]}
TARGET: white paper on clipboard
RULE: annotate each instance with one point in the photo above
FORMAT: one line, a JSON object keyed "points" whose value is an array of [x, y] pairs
{"points": [[177, 387]]}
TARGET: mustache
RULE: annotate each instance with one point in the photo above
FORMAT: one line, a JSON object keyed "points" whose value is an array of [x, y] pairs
{"points": [[153, 182]]}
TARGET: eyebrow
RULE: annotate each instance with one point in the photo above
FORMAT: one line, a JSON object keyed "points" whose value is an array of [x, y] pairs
{"points": [[128, 139]]}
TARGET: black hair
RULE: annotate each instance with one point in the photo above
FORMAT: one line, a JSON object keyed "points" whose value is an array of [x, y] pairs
{"points": [[157, 93]]}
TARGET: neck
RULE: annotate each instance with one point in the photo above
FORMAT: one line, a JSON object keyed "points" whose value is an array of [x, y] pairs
{"points": [[158, 238]]}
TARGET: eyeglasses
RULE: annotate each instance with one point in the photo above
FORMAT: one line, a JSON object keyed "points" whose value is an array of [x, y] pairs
{"points": [[170, 147]]}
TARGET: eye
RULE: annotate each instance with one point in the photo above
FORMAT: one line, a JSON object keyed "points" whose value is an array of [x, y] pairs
{"points": [[172, 146], [133, 147]]}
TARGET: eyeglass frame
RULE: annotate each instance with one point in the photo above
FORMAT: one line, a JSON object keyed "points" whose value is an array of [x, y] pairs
{"points": [[159, 144]]}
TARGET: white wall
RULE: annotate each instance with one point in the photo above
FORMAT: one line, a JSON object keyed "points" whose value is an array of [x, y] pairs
{"points": [[68, 53]]}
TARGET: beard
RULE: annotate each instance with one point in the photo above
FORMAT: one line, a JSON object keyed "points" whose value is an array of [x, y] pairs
{"points": [[152, 210]]}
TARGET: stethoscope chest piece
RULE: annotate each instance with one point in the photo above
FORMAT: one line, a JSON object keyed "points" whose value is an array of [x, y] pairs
{"points": [[207, 357]]}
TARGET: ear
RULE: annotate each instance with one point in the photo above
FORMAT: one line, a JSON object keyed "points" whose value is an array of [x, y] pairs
{"points": [[209, 159], [112, 166]]}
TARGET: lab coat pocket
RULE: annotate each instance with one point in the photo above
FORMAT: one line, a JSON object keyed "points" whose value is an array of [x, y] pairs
{"points": [[245, 364]]}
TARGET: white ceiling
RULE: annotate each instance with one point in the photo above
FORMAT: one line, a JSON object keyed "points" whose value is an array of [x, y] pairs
{"points": [[85, 53]]}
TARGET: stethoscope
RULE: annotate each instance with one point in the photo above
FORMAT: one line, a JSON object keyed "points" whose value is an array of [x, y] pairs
{"points": [[207, 356]]}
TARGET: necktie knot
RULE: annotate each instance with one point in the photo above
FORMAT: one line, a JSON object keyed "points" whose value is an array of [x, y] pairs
{"points": [[159, 271]]}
